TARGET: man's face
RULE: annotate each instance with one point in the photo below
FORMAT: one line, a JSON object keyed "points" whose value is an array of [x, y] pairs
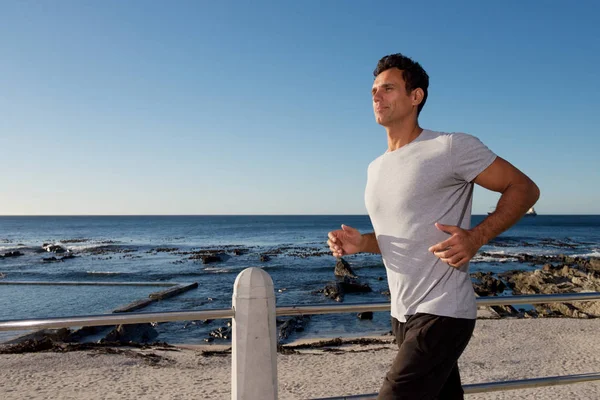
{"points": [[390, 100]]}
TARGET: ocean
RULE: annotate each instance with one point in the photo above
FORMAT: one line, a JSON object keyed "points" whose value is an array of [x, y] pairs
{"points": [[160, 249]]}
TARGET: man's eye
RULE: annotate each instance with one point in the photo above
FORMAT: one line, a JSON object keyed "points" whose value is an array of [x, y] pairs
{"points": [[387, 89]]}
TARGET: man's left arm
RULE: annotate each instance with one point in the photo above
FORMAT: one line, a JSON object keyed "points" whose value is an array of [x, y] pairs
{"points": [[519, 193]]}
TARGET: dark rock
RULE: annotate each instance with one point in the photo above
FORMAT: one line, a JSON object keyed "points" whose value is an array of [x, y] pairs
{"points": [[334, 291], [342, 269], [223, 332], [486, 284], [294, 324], [13, 254], [166, 249], [51, 259], [365, 315], [81, 333], [139, 333], [349, 285], [264, 258], [54, 248], [337, 290], [28, 346], [208, 259], [54, 335]]}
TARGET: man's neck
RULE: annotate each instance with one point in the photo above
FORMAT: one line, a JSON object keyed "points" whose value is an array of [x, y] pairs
{"points": [[402, 134]]}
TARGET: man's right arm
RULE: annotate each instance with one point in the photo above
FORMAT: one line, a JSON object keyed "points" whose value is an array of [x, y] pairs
{"points": [[369, 243], [349, 240]]}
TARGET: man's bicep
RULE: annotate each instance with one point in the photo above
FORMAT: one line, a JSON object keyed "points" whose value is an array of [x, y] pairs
{"points": [[500, 175]]}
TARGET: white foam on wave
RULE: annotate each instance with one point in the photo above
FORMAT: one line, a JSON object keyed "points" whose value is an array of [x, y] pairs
{"points": [[216, 270], [488, 259], [87, 246], [104, 272], [501, 252], [595, 253]]}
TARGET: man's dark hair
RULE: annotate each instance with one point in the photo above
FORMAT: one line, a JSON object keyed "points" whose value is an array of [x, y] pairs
{"points": [[413, 74]]}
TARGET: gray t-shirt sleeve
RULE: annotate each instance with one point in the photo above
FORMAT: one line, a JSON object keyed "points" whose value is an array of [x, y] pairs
{"points": [[468, 156]]}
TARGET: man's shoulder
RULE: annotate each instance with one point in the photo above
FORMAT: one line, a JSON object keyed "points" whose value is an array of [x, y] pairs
{"points": [[448, 135]]}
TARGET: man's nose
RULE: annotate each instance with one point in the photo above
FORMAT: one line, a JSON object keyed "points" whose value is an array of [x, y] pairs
{"points": [[376, 96]]}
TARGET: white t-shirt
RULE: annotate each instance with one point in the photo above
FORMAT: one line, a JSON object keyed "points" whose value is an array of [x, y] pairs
{"points": [[408, 190]]}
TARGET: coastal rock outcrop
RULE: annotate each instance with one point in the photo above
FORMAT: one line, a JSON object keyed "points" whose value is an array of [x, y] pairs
{"points": [[559, 279], [342, 268], [54, 248], [223, 332], [337, 290], [333, 291], [291, 325], [139, 333], [485, 284]]}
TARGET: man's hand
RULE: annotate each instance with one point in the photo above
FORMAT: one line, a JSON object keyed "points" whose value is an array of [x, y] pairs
{"points": [[344, 241], [459, 248]]}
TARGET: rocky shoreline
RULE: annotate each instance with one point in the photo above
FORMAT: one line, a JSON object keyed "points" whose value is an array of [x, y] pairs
{"points": [[557, 274]]}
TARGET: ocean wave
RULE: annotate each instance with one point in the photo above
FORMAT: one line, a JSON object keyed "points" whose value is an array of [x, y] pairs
{"points": [[20, 247], [488, 259], [594, 253], [91, 246], [105, 272], [221, 270]]}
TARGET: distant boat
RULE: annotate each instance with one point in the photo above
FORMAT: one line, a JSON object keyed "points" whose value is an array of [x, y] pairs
{"points": [[531, 212]]}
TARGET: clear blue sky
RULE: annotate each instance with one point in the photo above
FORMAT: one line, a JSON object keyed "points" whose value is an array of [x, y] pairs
{"points": [[148, 107]]}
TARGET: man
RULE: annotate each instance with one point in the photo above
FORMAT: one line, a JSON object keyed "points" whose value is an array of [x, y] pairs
{"points": [[419, 195]]}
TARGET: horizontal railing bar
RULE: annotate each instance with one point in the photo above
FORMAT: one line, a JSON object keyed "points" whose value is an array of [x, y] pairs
{"points": [[75, 283], [331, 308], [530, 383], [114, 319], [481, 301], [537, 298], [499, 386], [136, 318]]}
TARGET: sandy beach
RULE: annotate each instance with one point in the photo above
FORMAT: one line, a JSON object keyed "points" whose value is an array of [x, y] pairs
{"points": [[500, 350]]}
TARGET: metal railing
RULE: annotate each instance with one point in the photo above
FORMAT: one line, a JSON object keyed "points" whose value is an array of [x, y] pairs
{"points": [[223, 313], [498, 386], [252, 292]]}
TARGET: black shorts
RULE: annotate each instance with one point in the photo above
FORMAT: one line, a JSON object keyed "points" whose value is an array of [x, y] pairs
{"points": [[426, 364]]}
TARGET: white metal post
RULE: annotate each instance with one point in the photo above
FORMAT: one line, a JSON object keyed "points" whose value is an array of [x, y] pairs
{"points": [[254, 342]]}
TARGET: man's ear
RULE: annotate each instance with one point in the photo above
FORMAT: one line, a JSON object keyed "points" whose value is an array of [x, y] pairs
{"points": [[417, 96]]}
